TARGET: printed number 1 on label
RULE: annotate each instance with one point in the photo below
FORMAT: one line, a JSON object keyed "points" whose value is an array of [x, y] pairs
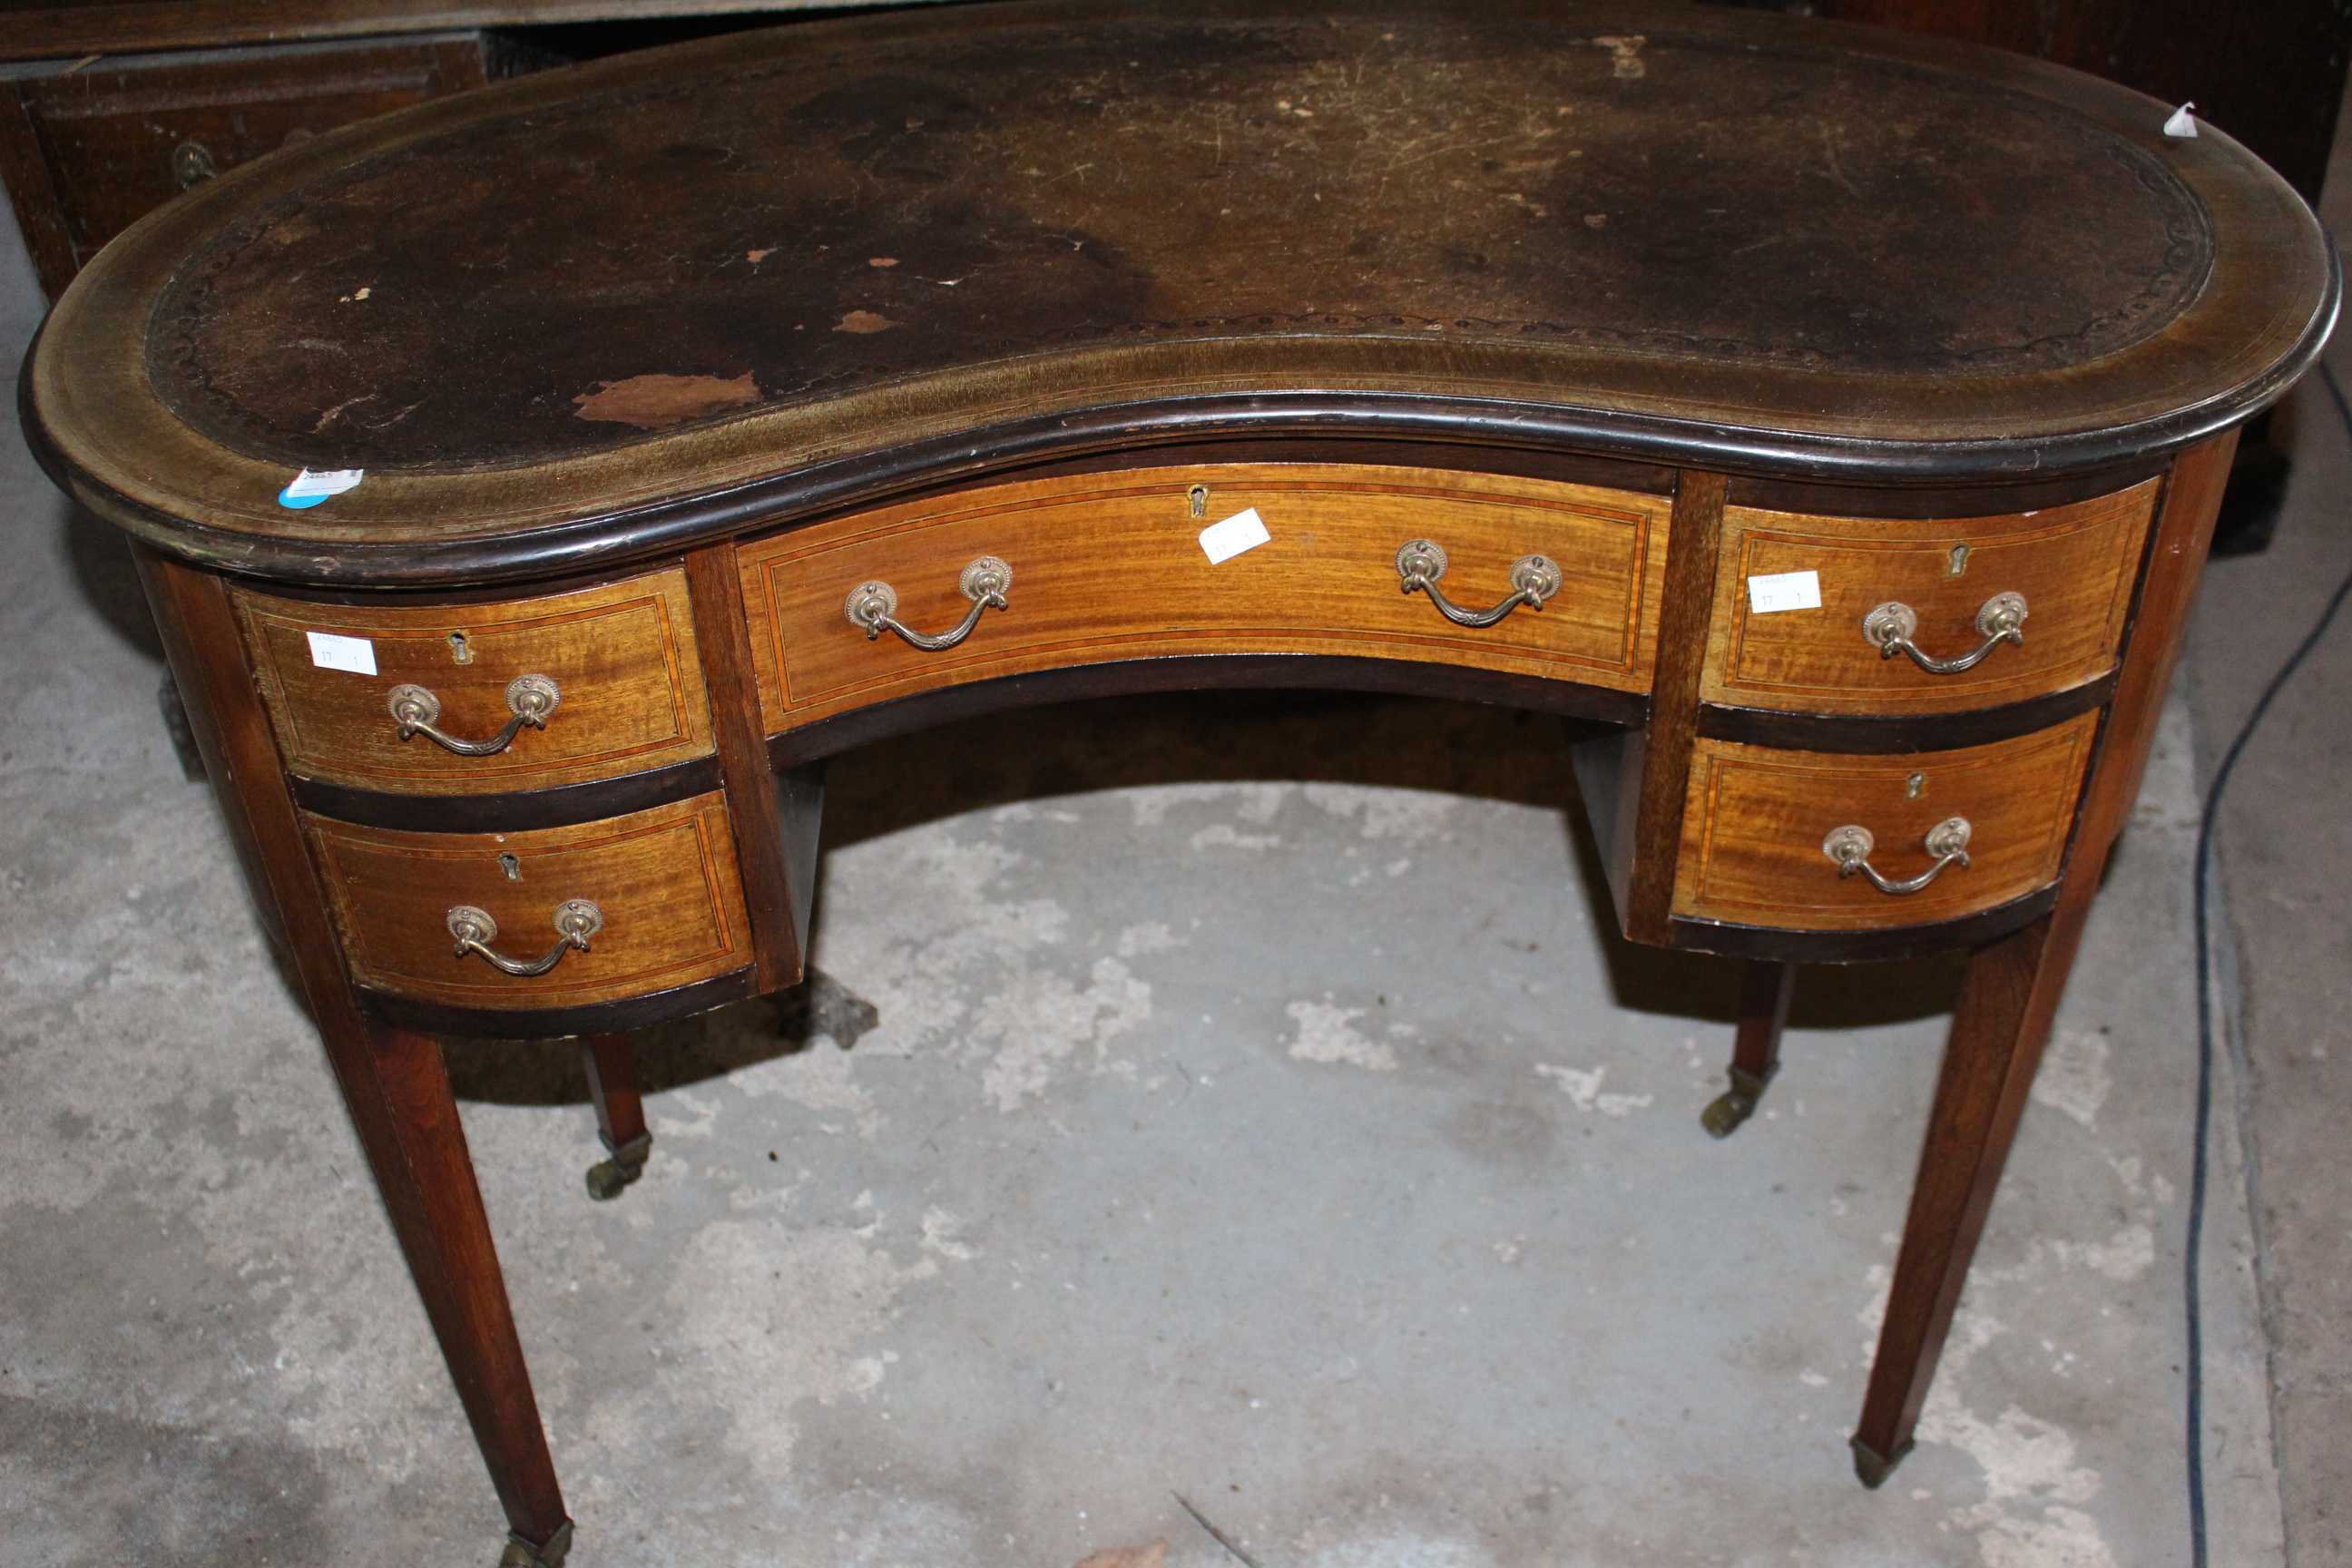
{"points": [[1778, 591], [330, 650]]}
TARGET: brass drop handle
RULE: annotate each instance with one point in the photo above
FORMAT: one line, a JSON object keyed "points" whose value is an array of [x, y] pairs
{"points": [[1850, 847], [531, 698], [1420, 562], [1889, 629], [873, 606], [576, 920]]}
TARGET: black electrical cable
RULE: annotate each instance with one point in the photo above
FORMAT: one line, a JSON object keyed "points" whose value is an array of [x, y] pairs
{"points": [[2203, 873]]}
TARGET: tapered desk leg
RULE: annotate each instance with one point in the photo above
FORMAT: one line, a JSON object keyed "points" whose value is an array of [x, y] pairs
{"points": [[1998, 1031], [1764, 997], [610, 1061], [409, 1127]]}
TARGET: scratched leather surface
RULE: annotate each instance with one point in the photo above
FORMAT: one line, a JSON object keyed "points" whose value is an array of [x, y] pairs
{"points": [[694, 245]]}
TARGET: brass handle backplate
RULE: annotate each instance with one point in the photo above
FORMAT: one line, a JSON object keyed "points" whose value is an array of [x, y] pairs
{"points": [[1850, 847], [1420, 562], [576, 920], [191, 164], [530, 698], [873, 606], [1889, 629]]}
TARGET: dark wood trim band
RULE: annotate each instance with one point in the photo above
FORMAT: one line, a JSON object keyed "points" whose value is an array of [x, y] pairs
{"points": [[1484, 460], [518, 811], [1654, 840], [1883, 734], [1203, 672], [598, 542], [559, 1023], [779, 931], [1862, 946], [458, 594], [1963, 500]]}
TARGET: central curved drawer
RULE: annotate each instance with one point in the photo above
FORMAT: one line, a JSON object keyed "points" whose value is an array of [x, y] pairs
{"points": [[1113, 566]]}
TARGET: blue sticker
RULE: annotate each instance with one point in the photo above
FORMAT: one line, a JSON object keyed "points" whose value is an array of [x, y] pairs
{"points": [[307, 489]]}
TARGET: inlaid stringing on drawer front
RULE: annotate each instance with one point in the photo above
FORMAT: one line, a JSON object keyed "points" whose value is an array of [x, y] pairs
{"points": [[1110, 566], [621, 662], [1758, 822], [2072, 567], [664, 884]]}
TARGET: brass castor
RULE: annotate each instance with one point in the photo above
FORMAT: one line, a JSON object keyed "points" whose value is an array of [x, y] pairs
{"points": [[521, 1553], [609, 1178], [1872, 1469], [1735, 1105]]}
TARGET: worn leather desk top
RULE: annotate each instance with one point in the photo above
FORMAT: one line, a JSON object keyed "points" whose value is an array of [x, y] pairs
{"points": [[616, 308]]}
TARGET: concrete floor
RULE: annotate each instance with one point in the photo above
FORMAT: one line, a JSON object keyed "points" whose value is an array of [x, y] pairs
{"points": [[1250, 1109], [2284, 854]]}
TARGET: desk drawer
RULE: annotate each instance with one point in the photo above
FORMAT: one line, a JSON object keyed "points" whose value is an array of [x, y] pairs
{"points": [[663, 884], [1759, 825], [620, 659], [1112, 566], [2072, 567]]}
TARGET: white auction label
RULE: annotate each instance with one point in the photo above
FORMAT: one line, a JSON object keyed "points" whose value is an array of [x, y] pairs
{"points": [[331, 651], [1243, 531], [1784, 590]]}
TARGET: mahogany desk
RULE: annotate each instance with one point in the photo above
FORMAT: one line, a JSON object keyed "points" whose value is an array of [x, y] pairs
{"points": [[1840, 414]]}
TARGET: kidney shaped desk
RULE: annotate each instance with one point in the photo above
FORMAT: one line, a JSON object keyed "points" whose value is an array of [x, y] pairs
{"points": [[1841, 416]]}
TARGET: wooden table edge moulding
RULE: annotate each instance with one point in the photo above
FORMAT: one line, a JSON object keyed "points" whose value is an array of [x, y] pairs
{"points": [[534, 488]]}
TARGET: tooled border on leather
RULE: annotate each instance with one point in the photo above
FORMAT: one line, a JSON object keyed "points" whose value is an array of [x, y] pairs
{"points": [[186, 299]]}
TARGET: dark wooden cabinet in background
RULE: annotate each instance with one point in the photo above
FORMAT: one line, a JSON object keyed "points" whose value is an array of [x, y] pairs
{"points": [[2270, 72], [110, 108], [87, 152]]}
